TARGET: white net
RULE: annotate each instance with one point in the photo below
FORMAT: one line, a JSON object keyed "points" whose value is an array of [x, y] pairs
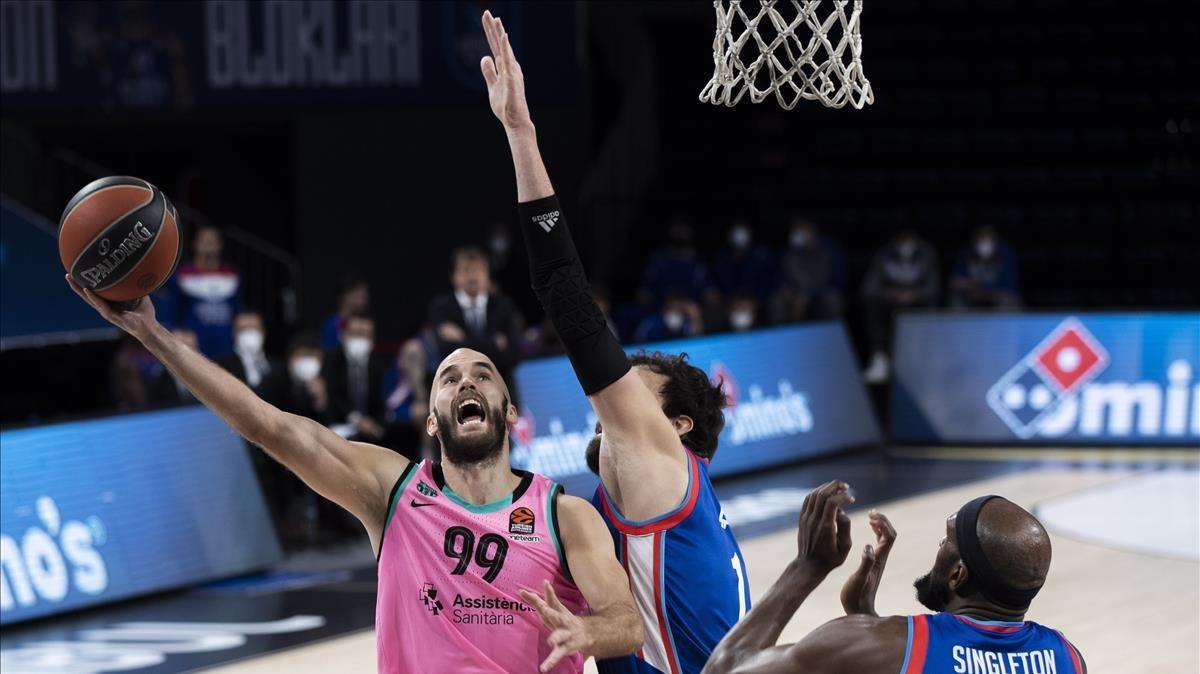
{"points": [[810, 55]]}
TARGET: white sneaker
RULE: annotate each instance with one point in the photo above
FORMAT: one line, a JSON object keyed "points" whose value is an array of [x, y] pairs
{"points": [[877, 372]]}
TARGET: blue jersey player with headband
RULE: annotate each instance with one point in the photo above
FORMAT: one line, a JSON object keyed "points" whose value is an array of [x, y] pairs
{"points": [[989, 567], [659, 418]]}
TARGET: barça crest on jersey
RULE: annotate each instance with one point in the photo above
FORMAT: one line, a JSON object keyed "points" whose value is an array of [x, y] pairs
{"points": [[426, 489], [429, 598], [520, 521]]}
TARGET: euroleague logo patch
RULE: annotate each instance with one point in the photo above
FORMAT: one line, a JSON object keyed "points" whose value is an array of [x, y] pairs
{"points": [[520, 526], [1052, 372], [520, 521]]}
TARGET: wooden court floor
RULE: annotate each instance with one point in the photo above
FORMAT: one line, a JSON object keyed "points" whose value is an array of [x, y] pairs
{"points": [[1129, 613]]}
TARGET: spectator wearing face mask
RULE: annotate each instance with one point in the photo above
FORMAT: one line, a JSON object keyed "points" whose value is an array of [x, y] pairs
{"points": [[354, 297], [249, 361], [743, 313], [985, 274], [305, 393], [903, 275], [811, 272], [680, 318], [355, 381], [744, 266]]}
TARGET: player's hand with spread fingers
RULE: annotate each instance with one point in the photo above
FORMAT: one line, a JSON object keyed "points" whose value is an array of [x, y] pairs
{"points": [[136, 320], [824, 536], [858, 593], [505, 81], [568, 632]]}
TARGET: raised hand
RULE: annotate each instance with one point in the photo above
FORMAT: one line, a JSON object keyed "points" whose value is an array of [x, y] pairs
{"points": [[568, 632], [505, 81], [858, 594], [135, 318], [824, 537]]}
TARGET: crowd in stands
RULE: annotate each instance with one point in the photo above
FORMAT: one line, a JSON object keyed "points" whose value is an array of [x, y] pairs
{"points": [[339, 377]]}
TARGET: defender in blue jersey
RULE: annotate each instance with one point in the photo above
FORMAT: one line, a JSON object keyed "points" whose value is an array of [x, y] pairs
{"points": [[659, 422], [989, 567]]}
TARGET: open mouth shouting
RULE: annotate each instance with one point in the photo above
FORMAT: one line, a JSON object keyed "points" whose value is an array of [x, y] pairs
{"points": [[471, 412]]}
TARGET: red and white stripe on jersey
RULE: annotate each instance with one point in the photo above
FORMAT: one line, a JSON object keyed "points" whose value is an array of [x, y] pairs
{"points": [[642, 549]]}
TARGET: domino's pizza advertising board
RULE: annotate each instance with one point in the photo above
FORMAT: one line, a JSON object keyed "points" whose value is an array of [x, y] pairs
{"points": [[96, 511], [1127, 379], [793, 392]]}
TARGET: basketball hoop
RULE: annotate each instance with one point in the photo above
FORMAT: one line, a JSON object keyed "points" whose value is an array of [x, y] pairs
{"points": [[768, 53]]}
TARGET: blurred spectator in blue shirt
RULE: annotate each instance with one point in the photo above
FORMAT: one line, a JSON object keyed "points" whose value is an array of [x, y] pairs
{"points": [[354, 297], [985, 274], [679, 318], [903, 275], [812, 272], [203, 296], [676, 269], [744, 266]]}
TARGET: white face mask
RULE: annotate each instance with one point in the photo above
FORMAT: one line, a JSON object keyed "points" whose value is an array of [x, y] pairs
{"points": [[358, 348], [305, 368], [249, 341], [740, 237], [673, 320], [985, 247], [799, 238], [499, 245], [907, 248], [741, 320]]}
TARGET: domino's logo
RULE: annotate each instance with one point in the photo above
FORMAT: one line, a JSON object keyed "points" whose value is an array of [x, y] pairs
{"points": [[1047, 378]]}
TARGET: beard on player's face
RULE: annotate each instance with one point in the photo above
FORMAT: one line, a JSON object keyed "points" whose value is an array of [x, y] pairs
{"points": [[933, 589], [480, 444]]}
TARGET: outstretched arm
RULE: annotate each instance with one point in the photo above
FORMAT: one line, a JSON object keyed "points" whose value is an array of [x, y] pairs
{"points": [[643, 447], [857, 643], [612, 628], [355, 475]]}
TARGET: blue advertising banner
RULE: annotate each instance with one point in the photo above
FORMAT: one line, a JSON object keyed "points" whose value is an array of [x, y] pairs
{"points": [[793, 392], [1124, 379], [95, 511]]}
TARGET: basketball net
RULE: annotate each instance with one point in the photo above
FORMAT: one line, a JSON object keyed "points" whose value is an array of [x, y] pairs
{"points": [[807, 56]]}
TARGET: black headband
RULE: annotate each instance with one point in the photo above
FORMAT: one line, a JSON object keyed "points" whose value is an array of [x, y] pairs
{"points": [[981, 572]]}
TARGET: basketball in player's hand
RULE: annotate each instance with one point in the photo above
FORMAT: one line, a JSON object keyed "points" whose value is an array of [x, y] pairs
{"points": [[119, 237]]}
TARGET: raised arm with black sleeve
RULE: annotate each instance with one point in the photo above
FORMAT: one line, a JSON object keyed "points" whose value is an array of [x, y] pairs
{"points": [[562, 287]]}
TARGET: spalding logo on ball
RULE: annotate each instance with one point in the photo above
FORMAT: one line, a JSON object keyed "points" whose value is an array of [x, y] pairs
{"points": [[119, 237]]}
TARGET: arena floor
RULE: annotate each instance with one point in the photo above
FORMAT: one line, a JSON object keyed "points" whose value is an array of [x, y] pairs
{"points": [[1124, 585]]}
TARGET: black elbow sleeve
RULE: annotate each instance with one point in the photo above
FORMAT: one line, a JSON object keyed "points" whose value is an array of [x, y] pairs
{"points": [[562, 288]]}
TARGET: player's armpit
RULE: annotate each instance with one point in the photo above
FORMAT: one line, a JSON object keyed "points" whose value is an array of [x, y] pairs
{"points": [[355, 475], [643, 446], [614, 627]]}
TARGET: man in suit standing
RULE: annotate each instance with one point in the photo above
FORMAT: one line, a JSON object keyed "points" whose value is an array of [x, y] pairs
{"points": [[473, 316], [354, 378]]}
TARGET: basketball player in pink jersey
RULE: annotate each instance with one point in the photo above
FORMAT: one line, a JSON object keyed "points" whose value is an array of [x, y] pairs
{"points": [[481, 568]]}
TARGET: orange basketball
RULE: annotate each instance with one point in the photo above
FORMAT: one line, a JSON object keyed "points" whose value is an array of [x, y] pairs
{"points": [[119, 237]]}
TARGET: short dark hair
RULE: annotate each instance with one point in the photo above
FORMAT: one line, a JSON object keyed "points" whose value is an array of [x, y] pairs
{"points": [[689, 392], [470, 252], [351, 281], [304, 340]]}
